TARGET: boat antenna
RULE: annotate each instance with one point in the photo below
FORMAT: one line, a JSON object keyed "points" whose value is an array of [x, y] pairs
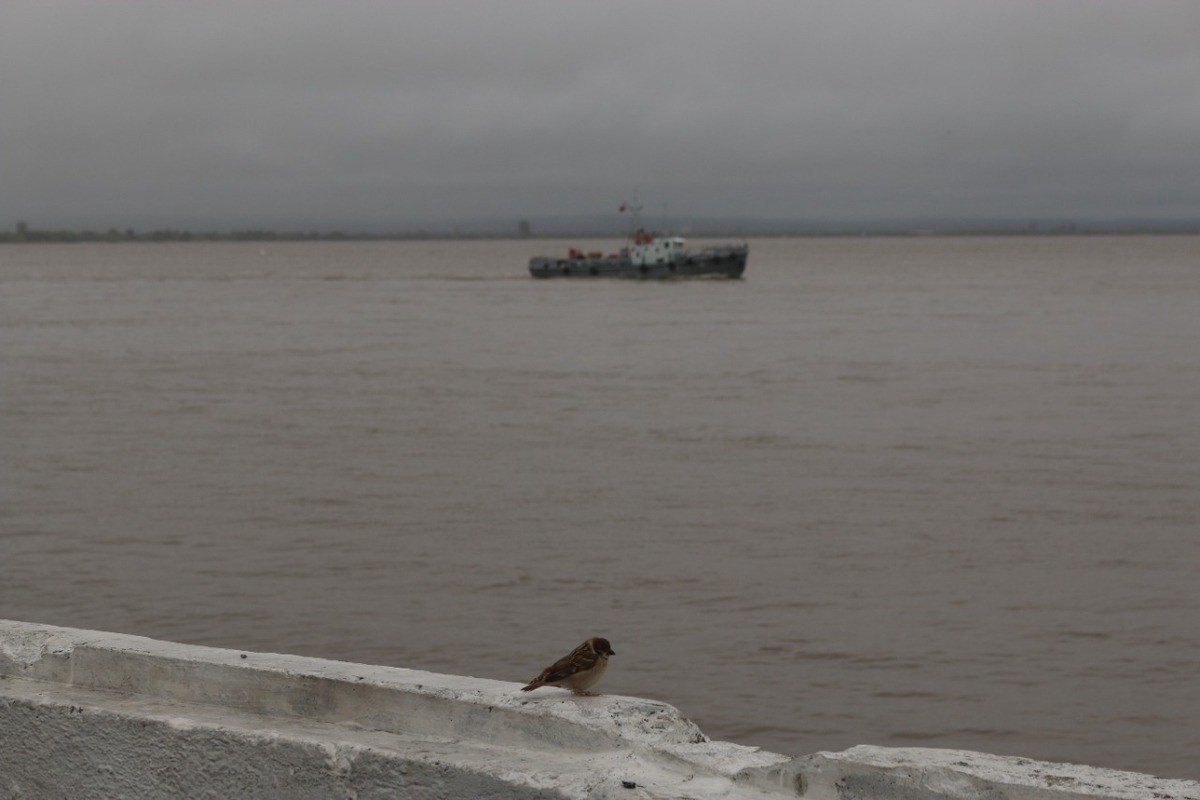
{"points": [[634, 207]]}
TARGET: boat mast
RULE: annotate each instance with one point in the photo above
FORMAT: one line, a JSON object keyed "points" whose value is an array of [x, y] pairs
{"points": [[634, 207]]}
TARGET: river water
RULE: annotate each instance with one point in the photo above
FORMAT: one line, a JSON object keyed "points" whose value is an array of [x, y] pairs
{"points": [[907, 492]]}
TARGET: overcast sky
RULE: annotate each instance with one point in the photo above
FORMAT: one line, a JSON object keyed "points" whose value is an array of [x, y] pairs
{"points": [[363, 114]]}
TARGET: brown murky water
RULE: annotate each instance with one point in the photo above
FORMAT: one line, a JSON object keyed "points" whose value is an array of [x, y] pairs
{"points": [[934, 492]]}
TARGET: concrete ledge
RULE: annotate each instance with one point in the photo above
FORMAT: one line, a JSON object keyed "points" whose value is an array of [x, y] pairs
{"points": [[902, 773], [85, 713]]}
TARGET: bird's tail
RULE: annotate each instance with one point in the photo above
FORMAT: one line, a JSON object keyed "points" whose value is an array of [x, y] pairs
{"points": [[532, 686]]}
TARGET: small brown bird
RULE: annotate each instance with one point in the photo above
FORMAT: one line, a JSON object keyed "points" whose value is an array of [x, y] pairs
{"points": [[578, 670]]}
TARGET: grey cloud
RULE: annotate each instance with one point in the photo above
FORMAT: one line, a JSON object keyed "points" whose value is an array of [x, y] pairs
{"points": [[373, 113]]}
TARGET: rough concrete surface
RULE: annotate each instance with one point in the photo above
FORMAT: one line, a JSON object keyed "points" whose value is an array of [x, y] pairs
{"points": [[89, 714], [871, 772]]}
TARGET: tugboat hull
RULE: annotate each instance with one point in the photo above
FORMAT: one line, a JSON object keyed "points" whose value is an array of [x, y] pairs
{"points": [[717, 262]]}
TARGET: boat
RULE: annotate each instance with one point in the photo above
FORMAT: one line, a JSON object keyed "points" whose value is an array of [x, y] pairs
{"points": [[646, 255]]}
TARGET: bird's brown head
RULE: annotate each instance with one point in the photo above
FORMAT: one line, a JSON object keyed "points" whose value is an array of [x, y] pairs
{"points": [[601, 646]]}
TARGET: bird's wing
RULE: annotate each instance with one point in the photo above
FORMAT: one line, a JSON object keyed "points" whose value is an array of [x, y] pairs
{"points": [[581, 659]]}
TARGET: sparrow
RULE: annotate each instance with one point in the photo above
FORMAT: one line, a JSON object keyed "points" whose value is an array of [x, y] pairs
{"points": [[578, 670]]}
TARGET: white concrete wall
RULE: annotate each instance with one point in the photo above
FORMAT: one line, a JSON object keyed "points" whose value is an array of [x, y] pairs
{"points": [[90, 714]]}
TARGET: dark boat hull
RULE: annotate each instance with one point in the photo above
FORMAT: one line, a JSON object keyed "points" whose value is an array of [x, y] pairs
{"points": [[717, 262]]}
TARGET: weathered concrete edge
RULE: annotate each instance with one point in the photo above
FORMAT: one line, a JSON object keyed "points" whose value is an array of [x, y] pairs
{"points": [[379, 698], [901, 773], [58, 741], [419, 710], [552, 745]]}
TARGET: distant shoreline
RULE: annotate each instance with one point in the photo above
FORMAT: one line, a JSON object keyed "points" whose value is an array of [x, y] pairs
{"points": [[28, 236]]}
